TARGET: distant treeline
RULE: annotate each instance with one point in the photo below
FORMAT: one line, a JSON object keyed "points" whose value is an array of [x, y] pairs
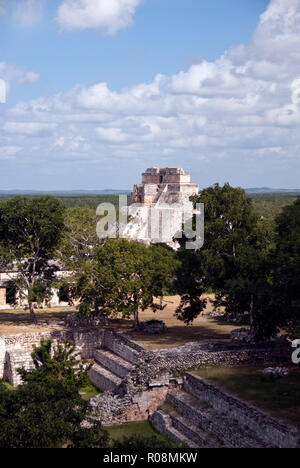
{"points": [[89, 200], [268, 205]]}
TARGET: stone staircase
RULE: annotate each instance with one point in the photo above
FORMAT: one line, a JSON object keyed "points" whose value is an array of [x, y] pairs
{"points": [[16, 359], [112, 364], [193, 418]]}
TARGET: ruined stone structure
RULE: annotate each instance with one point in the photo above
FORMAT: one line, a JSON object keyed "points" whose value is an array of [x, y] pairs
{"points": [[138, 385], [203, 415], [160, 205], [9, 298], [164, 186]]}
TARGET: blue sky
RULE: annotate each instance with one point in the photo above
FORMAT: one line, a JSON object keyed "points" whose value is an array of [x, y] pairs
{"points": [[167, 36], [99, 90]]}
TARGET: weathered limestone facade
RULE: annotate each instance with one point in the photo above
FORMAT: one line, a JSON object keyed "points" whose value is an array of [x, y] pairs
{"points": [[15, 350], [138, 385], [160, 205], [2, 296], [204, 415], [6, 283], [164, 186]]}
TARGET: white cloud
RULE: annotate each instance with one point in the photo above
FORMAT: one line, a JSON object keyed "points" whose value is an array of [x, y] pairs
{"points": [[109, 15], [9, 152], [24, 12], [2, 7], [244, 106], [12, 72], [2, 91], [113, 135], [28, 12], [28, 128], [28, 78]]}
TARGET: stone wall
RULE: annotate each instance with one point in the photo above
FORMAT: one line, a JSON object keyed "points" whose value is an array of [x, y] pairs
{"points": [[113, 409], [15, 360], [88, 341], [272, 431], [2, 296], [192, 355], [122, 346], [162, 423], [15, 350], [145, 387], [21, 342]]}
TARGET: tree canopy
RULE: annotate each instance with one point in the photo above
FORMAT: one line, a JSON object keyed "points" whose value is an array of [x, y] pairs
{"points": [[125, 277], [47, 410], [30, 230], [283, 307], [232, 261]]}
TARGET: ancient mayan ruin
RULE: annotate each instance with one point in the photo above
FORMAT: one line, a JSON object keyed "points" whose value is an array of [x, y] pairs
{"points": [[161, 186], [160, 205]]}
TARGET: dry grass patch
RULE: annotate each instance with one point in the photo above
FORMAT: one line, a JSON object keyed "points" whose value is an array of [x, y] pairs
{"points": [[204, 328], [14, 321]]}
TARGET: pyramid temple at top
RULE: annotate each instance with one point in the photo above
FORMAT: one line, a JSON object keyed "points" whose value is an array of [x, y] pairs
{"points": [[166, 186], [160, 205]]}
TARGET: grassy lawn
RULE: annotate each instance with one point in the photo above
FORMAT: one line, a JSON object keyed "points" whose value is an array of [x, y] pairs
{"points": [[129, 429], [142, 428], [279, 397], [89, 391]]}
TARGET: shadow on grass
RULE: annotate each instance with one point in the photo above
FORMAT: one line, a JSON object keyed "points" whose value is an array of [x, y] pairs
{"points": [[16, 319], [278, 396], [176, 335]]}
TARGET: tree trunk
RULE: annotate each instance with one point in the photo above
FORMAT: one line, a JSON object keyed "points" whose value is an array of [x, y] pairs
{"points": [[251, 311], [32, 313], [136, 325]]}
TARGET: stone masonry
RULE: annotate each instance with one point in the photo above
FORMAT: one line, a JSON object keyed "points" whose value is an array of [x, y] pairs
{"points": [[164, 185], [160, 205], [137, 385], [203, 415], [15, 350], [2, 296]]}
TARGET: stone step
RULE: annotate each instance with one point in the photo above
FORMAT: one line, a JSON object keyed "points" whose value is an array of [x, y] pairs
{"points": [[123, 350], [16, 359], [191, 431], [272, 431], [112, 362], [103, 379], [208, 419], [163, 424]]}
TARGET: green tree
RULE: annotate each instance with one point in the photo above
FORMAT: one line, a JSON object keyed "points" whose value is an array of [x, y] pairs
{"points": [[30, 230], [125, 277], [190, 284], [47, 411], [80, 237], [77, 249], [233, 261], [283, 307]]}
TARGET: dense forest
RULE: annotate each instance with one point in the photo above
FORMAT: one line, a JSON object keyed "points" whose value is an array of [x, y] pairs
{"points": [[267, 205], [270, 205], [80, 201]]}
